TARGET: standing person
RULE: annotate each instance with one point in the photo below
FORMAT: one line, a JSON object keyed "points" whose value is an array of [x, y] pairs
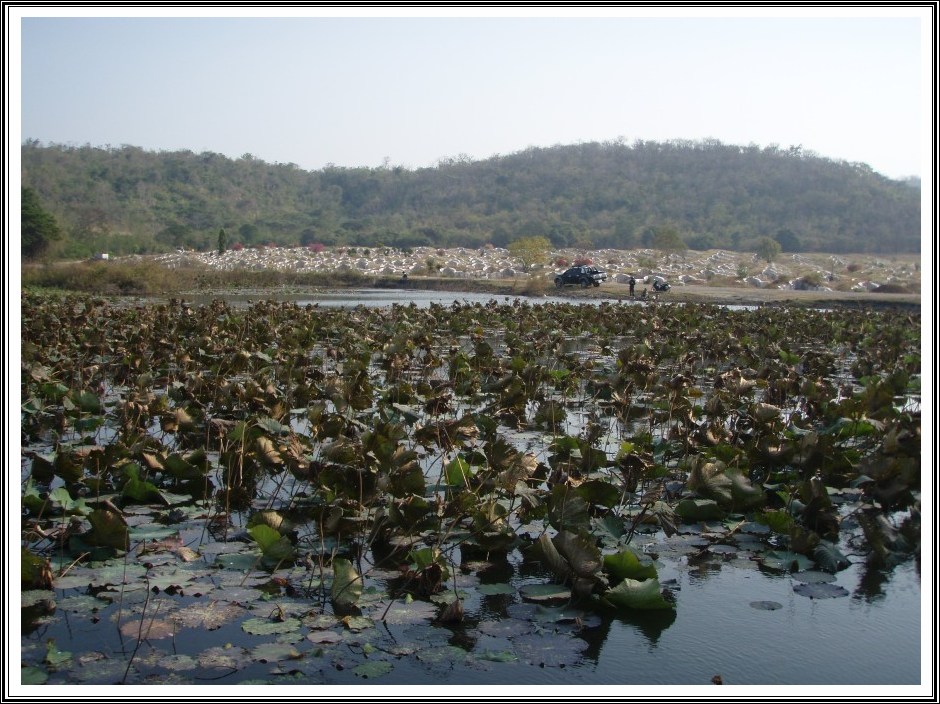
{"points": [[632, 285]]}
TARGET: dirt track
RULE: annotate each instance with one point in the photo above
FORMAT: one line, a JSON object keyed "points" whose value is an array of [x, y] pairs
{"points": [[727, 295]]}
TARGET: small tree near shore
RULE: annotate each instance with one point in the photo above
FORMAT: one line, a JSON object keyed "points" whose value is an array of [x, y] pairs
{"points": [[530, 250]]}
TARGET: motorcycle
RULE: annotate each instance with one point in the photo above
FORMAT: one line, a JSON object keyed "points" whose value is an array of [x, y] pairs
{"points": [[661, 286]]}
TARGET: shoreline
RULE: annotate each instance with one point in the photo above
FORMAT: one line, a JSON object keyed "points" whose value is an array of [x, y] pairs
{"points": [[718, 295]]}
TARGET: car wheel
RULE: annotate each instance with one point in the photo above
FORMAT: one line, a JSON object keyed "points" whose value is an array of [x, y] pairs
{"points": [[596, 284], [558, 282]]}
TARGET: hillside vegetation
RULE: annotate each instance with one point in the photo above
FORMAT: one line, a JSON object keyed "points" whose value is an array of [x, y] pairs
{"points": [[601, 195]]}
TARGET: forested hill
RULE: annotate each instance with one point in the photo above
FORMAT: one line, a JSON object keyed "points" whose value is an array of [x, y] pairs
{"points": [[614, 195]]}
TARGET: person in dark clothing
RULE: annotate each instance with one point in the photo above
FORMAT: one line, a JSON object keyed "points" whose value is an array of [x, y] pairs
{"points": [[632, 286]]}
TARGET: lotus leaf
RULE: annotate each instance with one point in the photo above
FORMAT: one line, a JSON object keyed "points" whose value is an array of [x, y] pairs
{"points": [[275, 548], [627, 565], [637, 594], [275, 652], [373, 670], [766, 605], [829, 558], [690, 510], [545, 592], [786, 561], [598, 492], [567, 510], [555, 561], [347, 584], [497, 656], [107, 529], [820, 590], [35, 571], [270, 626], [580, 552], [549, 650], [61, 498]]}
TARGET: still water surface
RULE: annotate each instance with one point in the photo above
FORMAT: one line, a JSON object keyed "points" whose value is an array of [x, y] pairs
{"points": [[872, 636]]}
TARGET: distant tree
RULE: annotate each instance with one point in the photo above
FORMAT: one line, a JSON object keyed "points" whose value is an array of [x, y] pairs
{"points": [[531, 250], [308, 237], [223, 240], [38, 227], [666, 238], [767, 249], [248, 233], [175, 235], [788, 241]]}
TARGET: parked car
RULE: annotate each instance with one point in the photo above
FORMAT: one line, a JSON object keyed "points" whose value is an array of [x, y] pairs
{"points": [[583, 276]]}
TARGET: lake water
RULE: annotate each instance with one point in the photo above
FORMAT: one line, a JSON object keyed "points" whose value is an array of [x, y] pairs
{"points": [[388, 297], [732, 620]]}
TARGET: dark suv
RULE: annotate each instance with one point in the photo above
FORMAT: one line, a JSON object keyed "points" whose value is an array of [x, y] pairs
{"points": [[583, 276]]}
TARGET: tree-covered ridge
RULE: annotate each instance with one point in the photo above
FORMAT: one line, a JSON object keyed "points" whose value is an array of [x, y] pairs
{"points": [[612, 194]]}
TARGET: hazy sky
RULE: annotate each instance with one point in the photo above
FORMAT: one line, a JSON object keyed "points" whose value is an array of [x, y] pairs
{"points": [[354, 91]]}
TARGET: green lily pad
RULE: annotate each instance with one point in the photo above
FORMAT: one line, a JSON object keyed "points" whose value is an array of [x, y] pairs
{"points": [[505, 628], [814, 576], [829, 558], [275, 652], [207, 615], [627, 565], [36, 596], [766, 605], [693, 510], [347, 584], [498, 656], [633, 594], [786, 561], [228, 657], [33, 675], [372, 670], [494, 589], [325, 637], [820, 590], [443, 653], [549, 651], [268, 627], [358, 623], [545, 592]]}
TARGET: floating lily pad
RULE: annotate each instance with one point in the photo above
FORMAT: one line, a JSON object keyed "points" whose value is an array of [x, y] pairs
{"points": [[275, 652], [81, 603], [820, 590], [36, 596], [494, 589], [408, 613], [549, 651], [33, 675], [325, 637], [207, 615], [545, 592], [564, 614], [227, 657], [148, 629], [505, 628], [371, 670], [444, 653], [766, 605], [177, 663], [497, 656], [786, 561], [268, 626], [633, 594]]}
